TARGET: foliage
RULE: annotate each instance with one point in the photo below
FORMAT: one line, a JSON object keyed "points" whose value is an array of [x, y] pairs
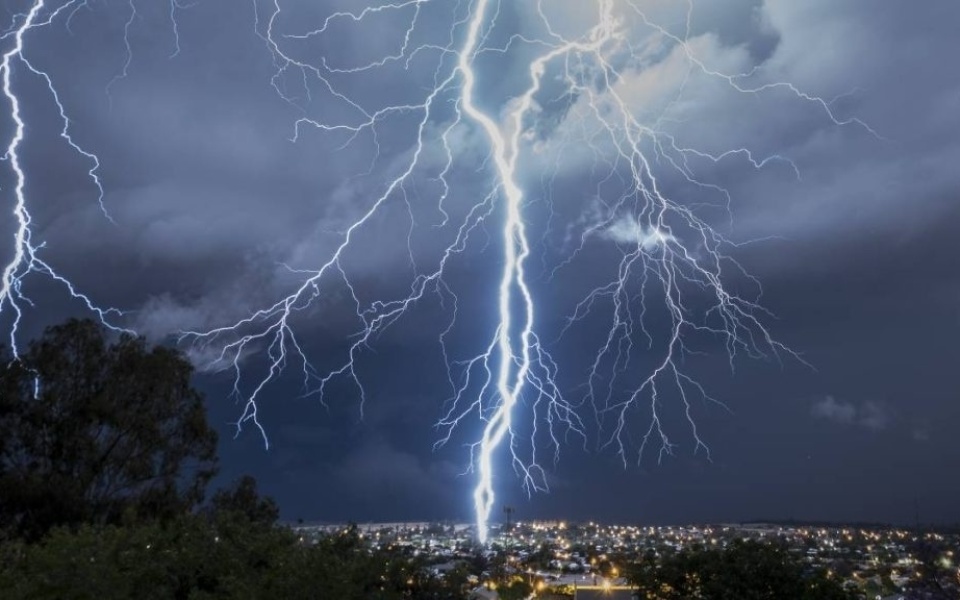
{"points": [[517, 588], [745, 570], [91, 430], [242, 498], [195, 557], [566, 590]]}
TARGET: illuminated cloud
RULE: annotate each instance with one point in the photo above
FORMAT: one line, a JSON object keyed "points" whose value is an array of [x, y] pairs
{"points": [[868, 415], [831, 409], [629, 231]]}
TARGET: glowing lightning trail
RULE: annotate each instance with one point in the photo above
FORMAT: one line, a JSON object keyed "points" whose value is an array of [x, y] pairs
{"points": [[506, 153], [670, 289], [668, 250], [516, 250], [26, 258], [10, 285]]}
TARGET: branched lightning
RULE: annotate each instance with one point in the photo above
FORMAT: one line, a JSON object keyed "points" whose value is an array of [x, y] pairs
{"points": [[667, 294], [673, 246], [26, 258]]}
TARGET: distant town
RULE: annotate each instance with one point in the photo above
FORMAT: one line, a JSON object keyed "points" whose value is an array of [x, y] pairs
{"points": [[561, 559]]}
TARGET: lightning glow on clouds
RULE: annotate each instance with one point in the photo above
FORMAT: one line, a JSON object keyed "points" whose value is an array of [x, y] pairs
{"points": [[490, 126]]}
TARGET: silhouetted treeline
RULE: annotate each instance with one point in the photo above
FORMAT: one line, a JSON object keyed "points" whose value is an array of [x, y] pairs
{"points": [[744, 570]]}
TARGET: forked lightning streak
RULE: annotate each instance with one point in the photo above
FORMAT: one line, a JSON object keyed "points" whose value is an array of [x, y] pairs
{"points": [[566, 95]]}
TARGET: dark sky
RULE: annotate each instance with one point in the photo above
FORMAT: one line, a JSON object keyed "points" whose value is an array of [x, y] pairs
{"points": [[851, 229]]}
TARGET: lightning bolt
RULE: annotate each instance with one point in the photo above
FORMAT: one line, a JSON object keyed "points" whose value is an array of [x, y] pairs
{"points": [[26, 258], [671, 290], [514, 350]]}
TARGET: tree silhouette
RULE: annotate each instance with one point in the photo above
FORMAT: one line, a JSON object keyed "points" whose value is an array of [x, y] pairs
{"points": [[92, 430], [242, 497], [745, 570]]}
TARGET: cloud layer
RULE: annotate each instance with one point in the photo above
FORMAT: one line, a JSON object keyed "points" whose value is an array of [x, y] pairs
{"points": [[218, 213]]}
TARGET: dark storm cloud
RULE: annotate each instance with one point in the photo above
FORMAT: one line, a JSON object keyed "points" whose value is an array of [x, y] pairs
{"points": [[211, 198], [378, 469], [893, 185]]}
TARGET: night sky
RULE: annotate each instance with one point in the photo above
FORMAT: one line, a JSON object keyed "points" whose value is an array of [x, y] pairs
{"points": [[852, 229]]}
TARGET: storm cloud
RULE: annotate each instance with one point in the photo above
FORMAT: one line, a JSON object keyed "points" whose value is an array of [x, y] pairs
{"points": [[222, 196]]}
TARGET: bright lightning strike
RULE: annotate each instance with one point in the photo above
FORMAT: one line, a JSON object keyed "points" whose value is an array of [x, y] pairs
{"points": [[486, 155], [26, 259]]}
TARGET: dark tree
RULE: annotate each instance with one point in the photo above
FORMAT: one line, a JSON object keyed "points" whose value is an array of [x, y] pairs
{"points": [[746, 570], [93, 430], [517, 588], [194, 557], [242, 498]]}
